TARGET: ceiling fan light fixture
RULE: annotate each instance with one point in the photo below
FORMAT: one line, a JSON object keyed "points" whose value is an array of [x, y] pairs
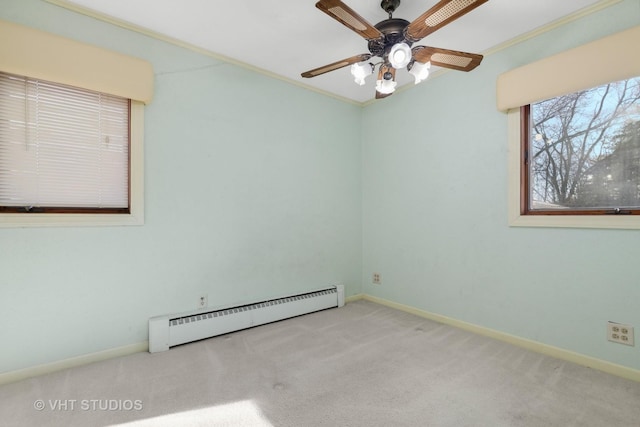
{"points": [[360, 71], [420, 71], [385, 86], [400, 55], [391, 41]]}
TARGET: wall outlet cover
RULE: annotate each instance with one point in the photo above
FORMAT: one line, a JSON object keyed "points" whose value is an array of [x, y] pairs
{"points": [[203, 301], [620, 333]]}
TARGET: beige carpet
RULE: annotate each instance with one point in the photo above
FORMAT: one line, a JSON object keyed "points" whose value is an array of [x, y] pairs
{"points": [[361, 365]]}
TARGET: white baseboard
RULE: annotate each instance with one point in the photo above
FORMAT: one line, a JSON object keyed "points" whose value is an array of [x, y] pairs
{"points": [[353, 298], [85, 359], [559, 353], [48, 368], [580, 359]]}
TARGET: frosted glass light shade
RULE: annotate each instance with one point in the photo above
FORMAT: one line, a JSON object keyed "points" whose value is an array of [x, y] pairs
{"points": [[400, 55], [420, 71], [385, 87], [360, 71]]}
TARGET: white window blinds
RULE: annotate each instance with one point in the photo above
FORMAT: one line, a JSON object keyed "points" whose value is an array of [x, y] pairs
{"points": [[62, 146]]}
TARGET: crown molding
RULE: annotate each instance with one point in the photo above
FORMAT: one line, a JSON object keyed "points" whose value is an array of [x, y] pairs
{"points": [[132, 27]]}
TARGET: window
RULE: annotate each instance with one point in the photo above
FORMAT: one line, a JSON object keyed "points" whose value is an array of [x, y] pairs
{"points": [[575, 71], [68, 196], [581, 152], [62, 149], [70, 65]]}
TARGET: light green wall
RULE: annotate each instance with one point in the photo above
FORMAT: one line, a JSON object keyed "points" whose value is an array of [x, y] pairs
{"points": [[252, 191], [255, 188], [435, 214]]}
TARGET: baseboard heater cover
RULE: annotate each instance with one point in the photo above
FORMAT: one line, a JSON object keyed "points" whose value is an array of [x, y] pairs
{"points": [[170, 330]]}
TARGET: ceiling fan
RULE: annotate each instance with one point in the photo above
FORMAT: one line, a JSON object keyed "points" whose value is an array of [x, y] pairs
{"points": [[392, 38]]}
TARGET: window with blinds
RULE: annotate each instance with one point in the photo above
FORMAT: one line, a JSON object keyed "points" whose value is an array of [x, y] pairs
{"points": [[62, 149]]}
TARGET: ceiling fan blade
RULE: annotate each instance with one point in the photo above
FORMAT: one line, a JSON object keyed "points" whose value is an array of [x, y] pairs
{"points": [[349, 18], [446, 58], [438, 16], [336, 65], [382, 95], [383, 69]]}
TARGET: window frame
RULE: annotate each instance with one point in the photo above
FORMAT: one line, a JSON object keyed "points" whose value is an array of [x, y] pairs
{"points": [[569, 71], [28, 51], [136, 191], [525, 179], [516, 126]]}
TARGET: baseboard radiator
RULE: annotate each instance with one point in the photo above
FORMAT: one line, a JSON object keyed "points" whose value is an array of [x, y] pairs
{"points": [[171, 330]]}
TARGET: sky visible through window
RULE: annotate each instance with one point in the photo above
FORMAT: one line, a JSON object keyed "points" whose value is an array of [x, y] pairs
{"points": [[584, 149]]}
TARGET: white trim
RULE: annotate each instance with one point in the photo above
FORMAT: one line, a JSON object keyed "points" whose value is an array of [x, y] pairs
{"points": [[136, 217], [538, 347], [48, 368], [132, 27], [580, 359], [630, 222], [519, 39], [85, 359], [353, 298], [553, 25]]}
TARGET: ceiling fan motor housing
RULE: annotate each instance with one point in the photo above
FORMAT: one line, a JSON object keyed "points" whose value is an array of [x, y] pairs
{"points": [[393, 30], [392, 38]]}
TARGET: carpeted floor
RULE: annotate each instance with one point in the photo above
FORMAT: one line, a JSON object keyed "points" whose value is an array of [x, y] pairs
{"points": [[360, 365]]}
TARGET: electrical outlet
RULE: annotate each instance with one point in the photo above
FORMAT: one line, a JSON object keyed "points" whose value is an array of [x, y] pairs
{"points": [[203, 301], [377, 279], [622, 334]]}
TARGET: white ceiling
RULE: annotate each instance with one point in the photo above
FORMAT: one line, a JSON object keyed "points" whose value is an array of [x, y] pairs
{"points": [[288, 37]]}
